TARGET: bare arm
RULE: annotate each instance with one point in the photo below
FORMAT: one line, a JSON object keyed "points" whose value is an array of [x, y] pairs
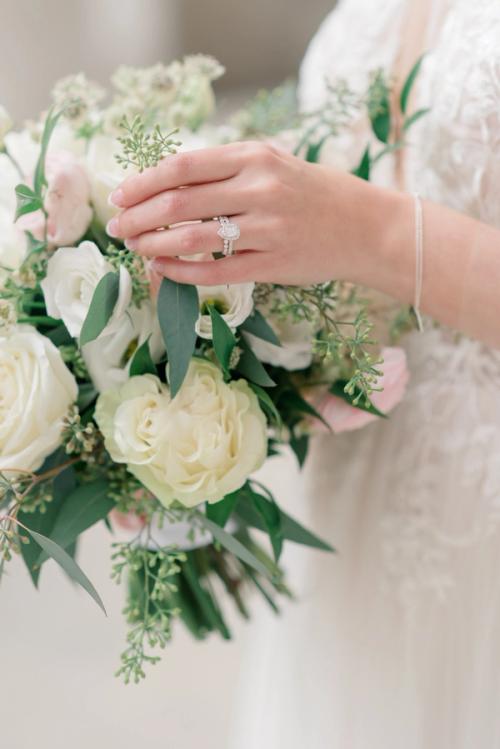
{"points": [[303, 223]]}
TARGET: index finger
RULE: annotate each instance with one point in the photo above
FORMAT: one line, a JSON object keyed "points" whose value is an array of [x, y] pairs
{"points": [[177, 170]]}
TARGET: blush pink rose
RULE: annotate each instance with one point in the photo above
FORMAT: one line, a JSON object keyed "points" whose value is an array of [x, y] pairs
{"points": [[67, 202], [344, 418]]}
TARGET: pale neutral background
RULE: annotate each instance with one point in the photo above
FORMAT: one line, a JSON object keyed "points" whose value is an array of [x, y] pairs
{"points": [[57, 652]]}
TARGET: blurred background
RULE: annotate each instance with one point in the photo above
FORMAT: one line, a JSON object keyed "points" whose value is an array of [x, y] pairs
{"points": [[57, 652], [260, 42]]}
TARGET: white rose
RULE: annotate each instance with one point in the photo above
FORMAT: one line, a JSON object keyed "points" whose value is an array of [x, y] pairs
{"points": [[36, 390], [72, 276], [5, 123], [198, 447], [13, 244], [296, 340], [234, 302], [108, 358], [105, 174]]}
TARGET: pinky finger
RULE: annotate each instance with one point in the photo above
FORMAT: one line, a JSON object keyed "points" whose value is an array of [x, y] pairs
{"points": [[240, 268]]}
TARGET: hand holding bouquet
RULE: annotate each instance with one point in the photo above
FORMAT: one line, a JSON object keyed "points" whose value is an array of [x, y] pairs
{"points": [[149, 402]]}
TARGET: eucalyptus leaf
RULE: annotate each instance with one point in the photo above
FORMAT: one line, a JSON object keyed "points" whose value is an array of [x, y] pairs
{"points": [[381, 122], [410, 121], [50, 123], [68, 564], [257, 325], [82, 508], [364, 167], [101, 307], [142, 363], [234, 546], [292, 530], [27, 201], [220, 512], [271, 515], [223, 338], [292, 400], [178, 311], [300, 446], [408, 84], [338, 389], [251, 368], [268, 404]]}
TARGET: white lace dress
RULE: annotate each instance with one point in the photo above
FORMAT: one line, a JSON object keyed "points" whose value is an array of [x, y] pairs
{"points": [[394, 643]]}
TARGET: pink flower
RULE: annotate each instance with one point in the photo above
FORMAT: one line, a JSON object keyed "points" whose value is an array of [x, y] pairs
{"points": [[66, 202], [344, 418]]}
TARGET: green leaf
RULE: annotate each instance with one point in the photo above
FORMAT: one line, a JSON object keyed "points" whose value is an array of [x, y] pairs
{"points": [[313, 151], [408, 84], [251, 368], [292, 400], [205, 601], [86, 395], [257, 325], [68, 564], [381, 123], [414, 117], [268, 404], [82, 508], [271, 515], [338, 389], [178, 311], [101, 307], [220, 512], [300, 446], [43, 522], [364, 167], [292, 530], [142, 363], [50, 123], [234, 546], [27, 201], [222, 337]]}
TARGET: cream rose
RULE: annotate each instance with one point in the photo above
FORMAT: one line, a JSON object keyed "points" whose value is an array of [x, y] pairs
{"points": [[234, 302], [36, 390], [108, 358], [72, 276], [198, 447]]}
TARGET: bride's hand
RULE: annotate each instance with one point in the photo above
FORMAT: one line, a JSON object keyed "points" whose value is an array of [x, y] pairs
{"points": [[300, 223]]}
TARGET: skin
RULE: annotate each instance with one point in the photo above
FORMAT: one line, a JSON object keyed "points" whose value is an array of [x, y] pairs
{"points": [[305, 223]]}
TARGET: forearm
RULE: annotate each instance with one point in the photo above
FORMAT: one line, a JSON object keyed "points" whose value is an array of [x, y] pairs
{"points": [[461, 262]]}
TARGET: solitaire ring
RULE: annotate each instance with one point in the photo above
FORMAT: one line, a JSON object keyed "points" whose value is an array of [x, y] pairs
{"points": [[229, 233]]}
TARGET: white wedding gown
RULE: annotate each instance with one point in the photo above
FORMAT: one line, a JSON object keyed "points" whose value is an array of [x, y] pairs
{"points": [[394, 642]]}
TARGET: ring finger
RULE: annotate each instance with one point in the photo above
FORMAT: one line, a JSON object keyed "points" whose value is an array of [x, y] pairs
{"points": [[188, 239]]}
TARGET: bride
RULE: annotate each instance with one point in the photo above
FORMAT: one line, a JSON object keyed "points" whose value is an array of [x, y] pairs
{"points": [[396, 642]]}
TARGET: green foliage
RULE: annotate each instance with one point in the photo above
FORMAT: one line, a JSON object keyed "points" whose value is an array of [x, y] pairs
{"points": [[220, 512], [269, 112], [257, 325], [223, 339], [178, 310], [27, 201], [354, 398], [134, 264], [151, 605], [408, 84], [379, 106], [363, 169], [142, 148], [251, 367], [142, 362], [101, 307]]}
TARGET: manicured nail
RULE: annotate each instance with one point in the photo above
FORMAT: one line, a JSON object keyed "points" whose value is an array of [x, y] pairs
{"points": [[131, 244], [116, 198], [112, 227]]}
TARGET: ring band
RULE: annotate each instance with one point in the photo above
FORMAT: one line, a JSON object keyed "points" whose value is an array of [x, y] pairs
{"points": [[229, 233]]}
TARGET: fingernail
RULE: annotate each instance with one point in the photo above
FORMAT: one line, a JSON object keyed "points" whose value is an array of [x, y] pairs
{"points": [[112, 227], [116, 198], [131, 244]]}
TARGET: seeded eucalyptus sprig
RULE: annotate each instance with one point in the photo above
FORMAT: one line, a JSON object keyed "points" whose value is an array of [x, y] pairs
{"points": [[142, 148]]}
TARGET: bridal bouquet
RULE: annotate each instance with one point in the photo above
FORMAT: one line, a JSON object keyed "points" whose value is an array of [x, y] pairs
{"points": [[150, 405]]}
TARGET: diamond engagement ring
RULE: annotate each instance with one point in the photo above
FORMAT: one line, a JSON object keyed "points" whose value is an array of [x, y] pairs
{"points": [[229, 232]]}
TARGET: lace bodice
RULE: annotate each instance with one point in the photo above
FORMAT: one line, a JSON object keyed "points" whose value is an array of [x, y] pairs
{"points": [[450, 421]]}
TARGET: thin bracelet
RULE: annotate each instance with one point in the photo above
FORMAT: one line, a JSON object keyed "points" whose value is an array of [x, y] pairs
{"points": [[419, 258]]}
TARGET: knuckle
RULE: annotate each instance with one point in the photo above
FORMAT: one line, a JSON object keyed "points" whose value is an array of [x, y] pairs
{"points": [[181, 167], [173, 203]]}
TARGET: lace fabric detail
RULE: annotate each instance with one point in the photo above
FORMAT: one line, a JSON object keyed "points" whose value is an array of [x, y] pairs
{"points": [[445, 487]]}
